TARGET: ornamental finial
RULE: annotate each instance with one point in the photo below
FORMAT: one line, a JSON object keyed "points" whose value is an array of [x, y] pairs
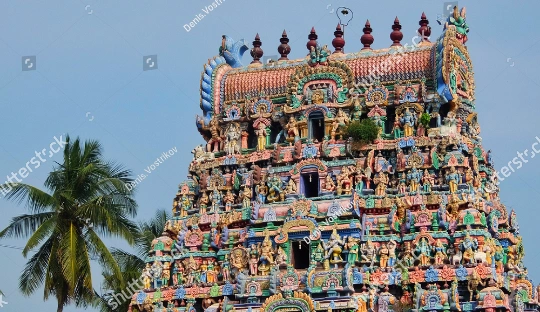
{"points": [[338, 41], [424, 31], [367, 38], [284, 49], [257, 52], [312, 40], [396, 35]]}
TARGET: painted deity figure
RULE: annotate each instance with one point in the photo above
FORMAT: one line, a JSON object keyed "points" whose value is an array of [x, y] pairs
{"points": [[281, 257], [382, 182], [402, 187], [356, 113], [215, 139], [379, 122], [262, 191], [166, 274], [452, 178], [274, 184], [392, 246], [352, 246], [440, 253], [408, 255], [291, 187], [423, 251], [157, 270], [292, 130], [333, 248], [427, 181], [408, 121], [359, 180], [261, 134], [340, 122], [383, 256], [232, 139], [344, 182], [226, 268], [203, 203], [246, 197], [253, 259], [266, 256], [216, 201], [414, 177], [147, 276], [468, 246], [329, 184], [185, 205], [433, 108], [368, 252], [228, 199]]}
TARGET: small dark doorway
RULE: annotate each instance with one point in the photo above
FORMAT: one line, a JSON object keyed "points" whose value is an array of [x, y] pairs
{"points": [[300, 254], [310, 183], [390, 119], [316, 126]]}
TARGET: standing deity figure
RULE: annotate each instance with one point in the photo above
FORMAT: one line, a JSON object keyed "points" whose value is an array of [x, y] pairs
{"points": [[266, 256], [368, 252], [414, 176], [292, 130], [215, 139], [379, 122], [185, 205], [402, 187], [226, 268], [452, 178], [261, 134], [216, 201], [340, 122], [427, 181], [228, 199], [232, 139], [469, 179], [468, 246], [203, 203], [333, 248], [408, 255], [253, 259], [166, 274], [392, 246], [281, 257], [211, 277], [157, 270], [474, 282], [440, 253], [344, 182], [382, 182], [383, 256], [408, 121], [424, 252], [262, 191], [352, 246], [359, 180], [246, 197], [147, 276]]}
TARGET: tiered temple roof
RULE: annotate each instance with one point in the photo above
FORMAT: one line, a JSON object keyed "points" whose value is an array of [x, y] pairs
{"points": [[282, 211]]}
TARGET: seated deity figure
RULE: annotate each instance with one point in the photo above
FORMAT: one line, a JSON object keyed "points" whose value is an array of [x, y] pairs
{"points": [[340, 122], [292, 130], [333, 248]]}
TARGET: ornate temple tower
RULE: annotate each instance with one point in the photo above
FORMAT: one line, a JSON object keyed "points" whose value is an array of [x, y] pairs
{"points": [[282, 211]]}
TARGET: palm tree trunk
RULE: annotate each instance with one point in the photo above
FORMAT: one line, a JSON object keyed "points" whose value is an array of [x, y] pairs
{"points": [[60, 307]]}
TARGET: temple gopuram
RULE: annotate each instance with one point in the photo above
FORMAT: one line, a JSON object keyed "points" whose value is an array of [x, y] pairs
{"points": [[283, 211]]}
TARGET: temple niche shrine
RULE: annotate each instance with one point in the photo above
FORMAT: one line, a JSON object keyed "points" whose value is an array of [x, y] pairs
{"points": [[283, 211]]}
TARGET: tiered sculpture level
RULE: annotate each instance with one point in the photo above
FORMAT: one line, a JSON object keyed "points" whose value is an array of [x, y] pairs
{"points": [[281, 212]]}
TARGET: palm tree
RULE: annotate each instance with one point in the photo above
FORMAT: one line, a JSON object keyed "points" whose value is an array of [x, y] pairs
{"points": [[131, 264], [86, 199]]}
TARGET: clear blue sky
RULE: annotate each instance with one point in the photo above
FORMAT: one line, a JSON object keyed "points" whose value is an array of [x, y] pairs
{"points": [[90, 82]]}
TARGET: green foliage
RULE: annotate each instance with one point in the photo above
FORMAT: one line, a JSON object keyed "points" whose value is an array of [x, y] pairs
{"points": [[131, 264], [364, 132], [425, 118], [86, 199]]}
